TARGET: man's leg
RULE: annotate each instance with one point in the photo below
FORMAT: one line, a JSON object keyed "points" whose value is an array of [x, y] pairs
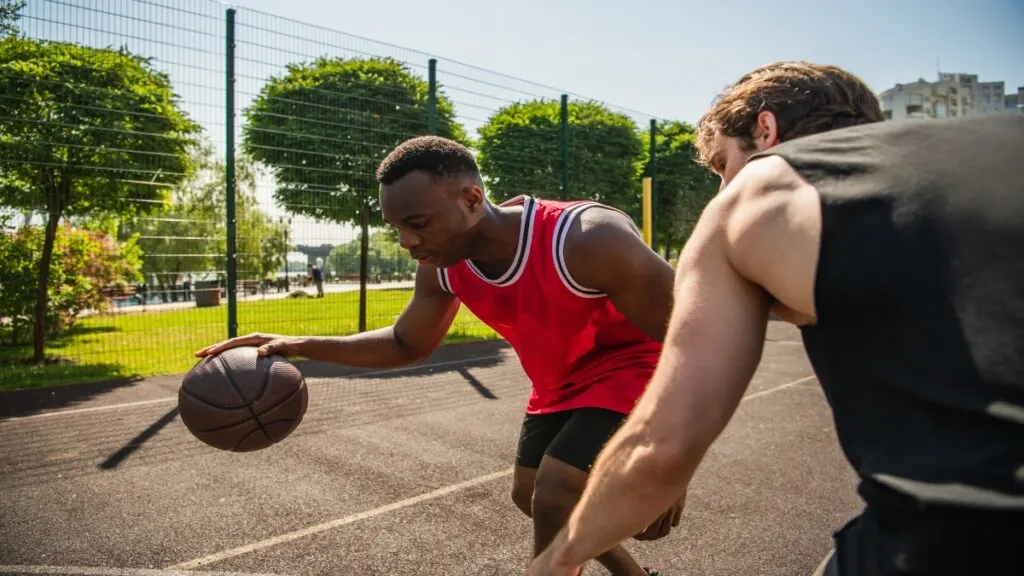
{"points": [[536, 435], [562, 476]]}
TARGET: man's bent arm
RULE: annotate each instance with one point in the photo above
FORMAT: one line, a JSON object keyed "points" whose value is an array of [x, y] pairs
{"points": [[712, 348]]}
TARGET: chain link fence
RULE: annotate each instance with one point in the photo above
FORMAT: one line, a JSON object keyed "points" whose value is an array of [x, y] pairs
{"points": [[191, 172]]}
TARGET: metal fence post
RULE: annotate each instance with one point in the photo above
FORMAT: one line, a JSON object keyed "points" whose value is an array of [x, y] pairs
{"points": [[654, 184], [229, 172], [432, 97], [564, 131]]}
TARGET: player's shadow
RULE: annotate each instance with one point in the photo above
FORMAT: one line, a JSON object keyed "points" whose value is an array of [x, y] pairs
{"points": [[29, 401], [135, 443], [476, 384]]}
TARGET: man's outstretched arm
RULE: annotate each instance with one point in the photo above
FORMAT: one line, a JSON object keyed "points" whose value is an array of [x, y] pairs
{"points": [[742, 254]]}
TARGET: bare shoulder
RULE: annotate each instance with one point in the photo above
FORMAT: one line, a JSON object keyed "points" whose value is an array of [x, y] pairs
{"points": [[599, 226], [603, 244], [770, 217]]}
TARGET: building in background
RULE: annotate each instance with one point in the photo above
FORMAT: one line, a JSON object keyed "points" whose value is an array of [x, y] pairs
{"points": [[952, 95]]}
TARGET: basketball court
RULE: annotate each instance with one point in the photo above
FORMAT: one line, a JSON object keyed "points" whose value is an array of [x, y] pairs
{"points": [[402, 472]]}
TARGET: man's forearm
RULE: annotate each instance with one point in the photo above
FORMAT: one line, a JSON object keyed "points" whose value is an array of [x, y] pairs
{"points": [[632, 484], [647, 466], [373, 349]]}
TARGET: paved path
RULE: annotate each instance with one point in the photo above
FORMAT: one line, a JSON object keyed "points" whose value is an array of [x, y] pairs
{"points": [[394, 473]]}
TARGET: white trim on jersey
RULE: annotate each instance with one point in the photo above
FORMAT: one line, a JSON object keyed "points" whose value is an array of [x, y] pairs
{"points": [[558, 247], [522, 249], [442, 278]]}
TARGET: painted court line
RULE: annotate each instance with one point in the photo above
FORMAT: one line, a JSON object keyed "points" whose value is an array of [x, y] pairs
{"points": [[290, 536], [779, 387], [93, 571], [175, 398], [339, 522]]}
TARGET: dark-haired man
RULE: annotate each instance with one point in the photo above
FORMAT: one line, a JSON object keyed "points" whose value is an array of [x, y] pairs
{"points": [[571, 286], [896, 248]]}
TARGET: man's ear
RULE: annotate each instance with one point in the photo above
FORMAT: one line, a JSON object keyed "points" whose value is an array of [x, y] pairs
{"points": [[766, 131], [473, 195]]}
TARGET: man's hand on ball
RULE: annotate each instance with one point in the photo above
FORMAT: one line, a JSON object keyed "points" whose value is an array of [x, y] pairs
{"points": [[267, 344]]}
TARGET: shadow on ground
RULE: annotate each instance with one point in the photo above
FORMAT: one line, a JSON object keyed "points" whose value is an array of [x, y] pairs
{"points": [[483, 353], [29, 401], [102, 379]]}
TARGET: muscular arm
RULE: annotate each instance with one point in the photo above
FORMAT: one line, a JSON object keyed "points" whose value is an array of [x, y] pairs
{"points": [[604, 251], [418, 331], [754, 244]]}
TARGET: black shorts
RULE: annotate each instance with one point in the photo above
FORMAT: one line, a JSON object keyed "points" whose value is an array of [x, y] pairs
{"points": [[575, 437]]}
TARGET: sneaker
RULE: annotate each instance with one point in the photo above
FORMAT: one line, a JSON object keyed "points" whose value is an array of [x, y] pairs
{"points": [[651, 571]]}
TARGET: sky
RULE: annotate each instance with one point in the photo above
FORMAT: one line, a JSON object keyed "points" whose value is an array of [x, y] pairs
{"points": [[670, 58], [661, 58]]}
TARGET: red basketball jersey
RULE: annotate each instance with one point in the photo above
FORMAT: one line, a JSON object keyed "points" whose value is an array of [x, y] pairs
{"points": [[577, 349]]}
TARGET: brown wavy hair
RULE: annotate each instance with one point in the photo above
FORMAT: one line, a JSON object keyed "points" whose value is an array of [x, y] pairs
{"points": [[806, 99]]}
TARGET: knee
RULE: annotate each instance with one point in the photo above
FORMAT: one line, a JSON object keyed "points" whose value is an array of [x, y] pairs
{"points": [[523, 500], [553, 500], [522, 496]]}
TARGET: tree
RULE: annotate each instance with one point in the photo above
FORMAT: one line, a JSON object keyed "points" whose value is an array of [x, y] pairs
{"points": [[85, 130], [385, 257], [190, 235], [10, 13], [324, 126], [683, 187], [520, 153], [88, 263]]}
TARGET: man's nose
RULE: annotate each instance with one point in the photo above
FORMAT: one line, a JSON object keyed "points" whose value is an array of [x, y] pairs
{"points": [[407, 240]]}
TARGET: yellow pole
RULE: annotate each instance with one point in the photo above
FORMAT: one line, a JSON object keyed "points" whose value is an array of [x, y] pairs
{"points": [[647, 210]]}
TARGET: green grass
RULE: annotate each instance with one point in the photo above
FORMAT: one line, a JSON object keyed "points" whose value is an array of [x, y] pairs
{"points": [[163, 342]]}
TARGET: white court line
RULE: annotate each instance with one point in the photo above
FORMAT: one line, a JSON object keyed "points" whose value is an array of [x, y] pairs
{"points": [[93, 571], [175, 398], [290, 536], [339, 522], [777, 388]]}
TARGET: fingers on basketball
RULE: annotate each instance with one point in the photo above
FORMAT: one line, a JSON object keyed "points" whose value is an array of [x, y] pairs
{"points": [[240, 401], [248, 340]]}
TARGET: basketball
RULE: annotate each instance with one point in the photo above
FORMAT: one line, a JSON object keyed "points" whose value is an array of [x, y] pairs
{"points": [[240, 401]]}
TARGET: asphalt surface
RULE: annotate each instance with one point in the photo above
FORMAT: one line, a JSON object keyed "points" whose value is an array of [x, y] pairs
{"points": [[396, 473]]}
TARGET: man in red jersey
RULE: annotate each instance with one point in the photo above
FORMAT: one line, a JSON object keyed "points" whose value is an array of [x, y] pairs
{"points": [[571, 286]]}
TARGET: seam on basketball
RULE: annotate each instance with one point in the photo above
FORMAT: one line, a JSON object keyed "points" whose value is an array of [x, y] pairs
{"points": [[266, 377], [246, 437], [298, 389], [248, 405], [208, 402]]}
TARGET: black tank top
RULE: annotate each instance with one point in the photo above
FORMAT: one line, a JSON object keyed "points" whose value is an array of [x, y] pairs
{"points": [[919, 343]]}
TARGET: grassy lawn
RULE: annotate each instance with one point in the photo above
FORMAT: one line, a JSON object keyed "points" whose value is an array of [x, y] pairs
{"points": [[163, 342]]}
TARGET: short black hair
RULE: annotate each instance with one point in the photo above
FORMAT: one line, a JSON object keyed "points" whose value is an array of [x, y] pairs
{"points": [[437, 156]]}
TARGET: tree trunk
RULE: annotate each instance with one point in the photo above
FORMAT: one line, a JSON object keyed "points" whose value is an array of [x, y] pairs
{"points": [[668, 248], [42, 300], [364, 248]]}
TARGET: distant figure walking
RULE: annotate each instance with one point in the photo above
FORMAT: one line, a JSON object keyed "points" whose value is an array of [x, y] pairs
{"points": [[318, 278]]}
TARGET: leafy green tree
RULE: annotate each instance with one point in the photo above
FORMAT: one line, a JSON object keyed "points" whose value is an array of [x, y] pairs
{"points": [[85, 130], [324, 126], [190, 235], [87, 264], [683, 186], [186, 235], [10, 13], [385, 257], [520, 153]]}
